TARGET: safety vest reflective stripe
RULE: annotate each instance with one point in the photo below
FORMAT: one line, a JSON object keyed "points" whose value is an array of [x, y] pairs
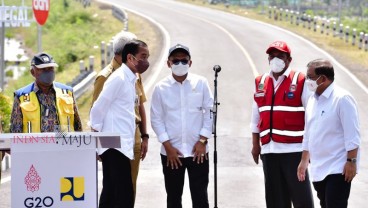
{"points": [[282, 133], [281, 108], [295, 78]]}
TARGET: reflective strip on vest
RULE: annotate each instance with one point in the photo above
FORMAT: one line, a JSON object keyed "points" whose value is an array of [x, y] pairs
{"points": [[282, 133], [281, 108], [295, 78]]}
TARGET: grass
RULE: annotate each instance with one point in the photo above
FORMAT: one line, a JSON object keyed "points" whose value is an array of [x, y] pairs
{"points": [[350, 56], [69, 35]]}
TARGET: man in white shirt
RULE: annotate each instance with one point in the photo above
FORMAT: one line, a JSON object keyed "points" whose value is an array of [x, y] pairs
{"points": [[113, 111], [277, 129], [332, 139], [180, 117]]}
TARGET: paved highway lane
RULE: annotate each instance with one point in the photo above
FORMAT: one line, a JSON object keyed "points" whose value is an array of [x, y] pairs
{"points": [[237, 44]]}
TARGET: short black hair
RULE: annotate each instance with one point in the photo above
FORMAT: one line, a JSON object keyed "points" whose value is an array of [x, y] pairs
{"points": [[131, 47], [323, 67]]}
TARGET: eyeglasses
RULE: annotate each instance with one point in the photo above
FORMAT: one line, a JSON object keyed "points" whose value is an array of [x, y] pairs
{"points": [[313, 77], [182, 61]]}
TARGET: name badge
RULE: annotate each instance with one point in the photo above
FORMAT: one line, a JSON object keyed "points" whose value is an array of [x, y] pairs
{"points": [[259, 94], [290, 95]]}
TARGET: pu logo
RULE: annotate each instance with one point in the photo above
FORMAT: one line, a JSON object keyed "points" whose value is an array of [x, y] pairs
{"points": [[72, 189]]}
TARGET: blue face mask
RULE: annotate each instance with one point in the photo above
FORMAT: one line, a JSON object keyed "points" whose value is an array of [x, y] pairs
{"points": [[47, 77]]}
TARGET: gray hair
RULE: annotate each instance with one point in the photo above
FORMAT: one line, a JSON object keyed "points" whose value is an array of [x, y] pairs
{"points": [[120, 40]]}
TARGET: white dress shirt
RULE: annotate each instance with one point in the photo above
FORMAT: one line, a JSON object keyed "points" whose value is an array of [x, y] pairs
{"points": [[331, 130], [180, 112], [275, 147], [113, 110]]}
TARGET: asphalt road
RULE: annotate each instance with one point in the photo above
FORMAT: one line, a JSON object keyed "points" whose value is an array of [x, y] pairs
{"points": [[238, 45]]}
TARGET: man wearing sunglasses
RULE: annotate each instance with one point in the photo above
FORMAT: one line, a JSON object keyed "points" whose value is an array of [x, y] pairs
{"points": [[180, 117]]}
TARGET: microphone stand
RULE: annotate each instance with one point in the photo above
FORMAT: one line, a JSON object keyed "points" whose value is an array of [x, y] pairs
{"points": [[217, 69]]}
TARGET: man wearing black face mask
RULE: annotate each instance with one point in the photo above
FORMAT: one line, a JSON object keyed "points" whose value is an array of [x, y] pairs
{"points": [[45, 105], [113, 111], [277, 126], [141, 136]]}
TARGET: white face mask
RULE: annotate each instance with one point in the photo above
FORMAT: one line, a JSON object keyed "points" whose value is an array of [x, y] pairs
{"points": [[180, 69], [277, 65], [312, 84]]}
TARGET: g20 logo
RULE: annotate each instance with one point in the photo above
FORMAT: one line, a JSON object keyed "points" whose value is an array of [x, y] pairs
{"points": [[38, 202]]}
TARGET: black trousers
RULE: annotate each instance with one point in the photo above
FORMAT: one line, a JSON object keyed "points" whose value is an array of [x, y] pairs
{"points": [[198, 182], [281, 182], [117, 190], [333, 191]]}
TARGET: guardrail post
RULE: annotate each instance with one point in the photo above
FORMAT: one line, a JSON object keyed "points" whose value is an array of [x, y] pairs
{"points": [[366, 42], [361, 38], [327, 27], [291, 17], [286, 15], [354, 37], [323, 26], [81, 66], [103, 57], [281, 13], [270, 12], [304, 18], [334, 29], [341, 31], [297, 18], [275, 13], [347, 31], [91, 62], [309, 22], [315, 24], [108, 52]]}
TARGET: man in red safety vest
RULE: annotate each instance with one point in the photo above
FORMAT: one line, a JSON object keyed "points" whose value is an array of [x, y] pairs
{"points": [[277, 129]]}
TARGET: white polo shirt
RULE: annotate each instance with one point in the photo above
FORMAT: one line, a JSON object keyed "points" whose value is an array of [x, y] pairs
{"points": [[331, 130]]}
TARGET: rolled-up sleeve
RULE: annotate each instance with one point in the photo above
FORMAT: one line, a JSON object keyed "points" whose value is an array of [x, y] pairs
{"points": [[207, 105], [350, 122]]}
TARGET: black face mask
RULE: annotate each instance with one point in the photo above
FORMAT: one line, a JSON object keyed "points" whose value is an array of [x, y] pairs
{"points": [[47, 77], [142, 65]]}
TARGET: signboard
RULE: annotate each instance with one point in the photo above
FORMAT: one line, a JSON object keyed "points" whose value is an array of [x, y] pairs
{"points": [[41, 10], [54, 170], [15, 16]]}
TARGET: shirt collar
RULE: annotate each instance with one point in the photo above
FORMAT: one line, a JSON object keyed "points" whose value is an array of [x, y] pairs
{"points": [[36, 88], [173, 81], [286, 73], [328, 91], [130, 75]]}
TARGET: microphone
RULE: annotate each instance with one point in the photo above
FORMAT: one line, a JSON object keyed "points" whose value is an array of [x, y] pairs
{"points": [[217, 68]]}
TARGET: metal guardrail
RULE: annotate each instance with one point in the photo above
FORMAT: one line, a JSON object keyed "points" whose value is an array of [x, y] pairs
{"points": [[86, 78], [324, 25]]}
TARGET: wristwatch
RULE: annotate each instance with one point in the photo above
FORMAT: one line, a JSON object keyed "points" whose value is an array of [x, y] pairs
{"points": [[203, 141], [352, 160], [145, 136]]}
